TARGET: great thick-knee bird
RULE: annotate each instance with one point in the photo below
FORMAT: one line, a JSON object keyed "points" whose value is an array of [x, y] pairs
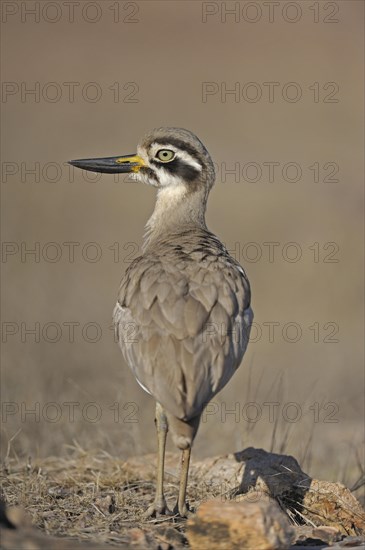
{"points": [[183, 314]]}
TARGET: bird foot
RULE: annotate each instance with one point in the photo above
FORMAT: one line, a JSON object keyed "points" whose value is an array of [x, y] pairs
{"points": [[158, 508], [182, 511]]}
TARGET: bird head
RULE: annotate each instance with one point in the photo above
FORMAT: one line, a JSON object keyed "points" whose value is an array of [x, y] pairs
{"points": [[166, 157]]}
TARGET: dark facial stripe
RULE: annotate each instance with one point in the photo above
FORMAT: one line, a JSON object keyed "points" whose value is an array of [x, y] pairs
{"points": [[179, 168]]}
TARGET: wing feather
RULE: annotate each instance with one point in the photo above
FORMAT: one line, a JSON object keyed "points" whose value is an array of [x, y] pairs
{"points": [[190, 309]]}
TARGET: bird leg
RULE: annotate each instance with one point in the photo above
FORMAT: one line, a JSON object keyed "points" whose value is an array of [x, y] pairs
{"points": [[181, 506], [159, 505]]}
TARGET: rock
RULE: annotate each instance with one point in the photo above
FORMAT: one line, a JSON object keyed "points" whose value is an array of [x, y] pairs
{"points": [[138, 538], [350, 542], [252, 473], [166, 534], [327, 503], [327, 534], [239, 525], [257, 469], [308, 537]]}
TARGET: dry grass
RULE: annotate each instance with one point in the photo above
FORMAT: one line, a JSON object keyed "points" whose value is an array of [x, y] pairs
{"points": [[98, 498], [86, 496]]}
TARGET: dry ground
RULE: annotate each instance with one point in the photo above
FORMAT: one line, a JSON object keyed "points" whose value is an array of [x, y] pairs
{"points": [[100, 499]]}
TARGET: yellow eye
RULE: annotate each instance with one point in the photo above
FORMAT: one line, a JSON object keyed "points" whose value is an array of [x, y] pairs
{"points": [[165, 155]]}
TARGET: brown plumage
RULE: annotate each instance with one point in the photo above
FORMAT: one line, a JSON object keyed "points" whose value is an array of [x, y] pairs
{"points": [[183, 313], [184, 298]]}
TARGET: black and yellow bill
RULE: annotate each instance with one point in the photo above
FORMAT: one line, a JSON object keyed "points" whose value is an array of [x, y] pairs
{"points": [[110, 165]]}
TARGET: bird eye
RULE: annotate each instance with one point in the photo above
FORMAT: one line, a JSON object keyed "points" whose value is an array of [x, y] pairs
{"points": [[165, 155]]}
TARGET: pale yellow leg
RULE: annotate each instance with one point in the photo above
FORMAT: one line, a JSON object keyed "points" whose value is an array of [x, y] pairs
{"points": [[181, 507], [159, 505]]}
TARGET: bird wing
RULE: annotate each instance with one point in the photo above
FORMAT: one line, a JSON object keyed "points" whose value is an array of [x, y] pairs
{"points": [[183, 321]]}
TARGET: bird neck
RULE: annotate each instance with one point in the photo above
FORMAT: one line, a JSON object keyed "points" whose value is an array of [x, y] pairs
{"points": [[176, 209]]}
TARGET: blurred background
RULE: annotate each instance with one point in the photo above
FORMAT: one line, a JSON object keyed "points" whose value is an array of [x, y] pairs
{"points": [[275, 93]]}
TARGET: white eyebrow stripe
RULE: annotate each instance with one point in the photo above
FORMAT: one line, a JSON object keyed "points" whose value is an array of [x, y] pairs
{"points": [[188, 159]]}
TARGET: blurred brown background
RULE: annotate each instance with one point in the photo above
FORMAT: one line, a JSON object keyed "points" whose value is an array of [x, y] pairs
{"points": [[105, 74]]}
